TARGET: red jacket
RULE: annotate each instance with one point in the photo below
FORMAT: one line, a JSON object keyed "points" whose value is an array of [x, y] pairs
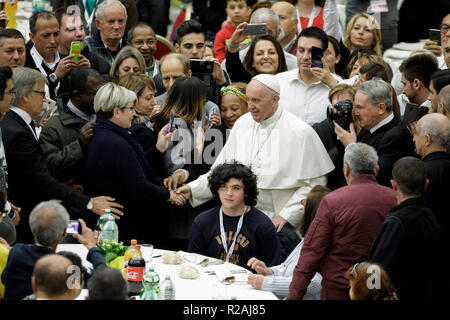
{"points": [[220, 49], [341, 235]]}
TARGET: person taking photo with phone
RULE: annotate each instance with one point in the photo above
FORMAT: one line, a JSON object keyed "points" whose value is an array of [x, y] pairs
{"points": [[302, 92]]}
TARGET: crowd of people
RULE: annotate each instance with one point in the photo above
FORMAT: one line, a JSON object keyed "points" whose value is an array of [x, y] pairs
{"points": [[299, 153]]}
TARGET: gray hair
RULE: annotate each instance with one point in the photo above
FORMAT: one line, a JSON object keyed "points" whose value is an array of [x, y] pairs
{"points": [[24, 82], [437, 126], [378, 91], [264, 15], [111, 96], [444, 97], [100, 11], [48, 220], [361, 159]]}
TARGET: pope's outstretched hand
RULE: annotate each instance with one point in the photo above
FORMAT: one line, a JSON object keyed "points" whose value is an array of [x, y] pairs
{"points": [[185, 191]]}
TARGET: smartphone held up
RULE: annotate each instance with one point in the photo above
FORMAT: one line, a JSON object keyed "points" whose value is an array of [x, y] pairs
{"points": [[316, 57]]}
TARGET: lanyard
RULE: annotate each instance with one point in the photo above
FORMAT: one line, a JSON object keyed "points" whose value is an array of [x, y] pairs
{"points": [[222, 233], [88, 17], [311, 19]]}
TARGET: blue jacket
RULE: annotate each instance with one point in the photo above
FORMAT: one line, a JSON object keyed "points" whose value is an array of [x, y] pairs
{"points": [[116, 164]]}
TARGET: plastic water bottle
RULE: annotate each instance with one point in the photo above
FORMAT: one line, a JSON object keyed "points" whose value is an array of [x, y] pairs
{"points": [[167, 290], [38, 5], [109, 230], [150, 283]]}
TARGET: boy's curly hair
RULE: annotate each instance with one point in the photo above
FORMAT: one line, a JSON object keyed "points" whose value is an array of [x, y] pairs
{"points": [[224, 172]]}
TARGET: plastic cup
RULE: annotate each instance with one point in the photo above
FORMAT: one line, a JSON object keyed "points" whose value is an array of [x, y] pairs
{"points": [[147, 252]]}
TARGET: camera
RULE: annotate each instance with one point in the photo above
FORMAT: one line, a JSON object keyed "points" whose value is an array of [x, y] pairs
{"points": [[199, 66], [341, 113]]}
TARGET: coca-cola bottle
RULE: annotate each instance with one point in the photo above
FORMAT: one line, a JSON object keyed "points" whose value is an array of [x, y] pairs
{"points": [[135, 272]]}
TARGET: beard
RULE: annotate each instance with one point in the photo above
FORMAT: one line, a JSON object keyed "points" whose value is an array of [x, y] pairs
{"points": [[281, 35]]}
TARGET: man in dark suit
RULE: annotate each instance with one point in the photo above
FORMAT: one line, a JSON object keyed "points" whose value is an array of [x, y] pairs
{"points": [[28, 177], [407, 243], [380, 129], [432, 137], [42, 53], [48, 222]]}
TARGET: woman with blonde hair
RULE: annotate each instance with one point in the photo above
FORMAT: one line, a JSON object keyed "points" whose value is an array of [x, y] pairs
{"points": [[127, 60], [370, 281], [363, 31]]}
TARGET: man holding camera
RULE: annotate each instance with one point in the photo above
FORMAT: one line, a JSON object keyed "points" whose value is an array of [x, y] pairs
{"points": [[379, 127]]}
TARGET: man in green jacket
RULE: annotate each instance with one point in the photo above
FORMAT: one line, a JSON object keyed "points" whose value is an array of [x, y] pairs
{"points": [[64, 137]]}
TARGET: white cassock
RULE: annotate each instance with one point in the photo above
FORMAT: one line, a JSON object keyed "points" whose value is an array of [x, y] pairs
{"points": [[286, 155]]}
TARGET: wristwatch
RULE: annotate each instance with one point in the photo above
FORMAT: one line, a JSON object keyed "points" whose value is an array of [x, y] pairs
{"points": [[90, 204], [53, 78]]}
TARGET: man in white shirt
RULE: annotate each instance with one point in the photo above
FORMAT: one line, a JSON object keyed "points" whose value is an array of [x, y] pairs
{"points": [[44, 56], [302, 93], [259, 139], [416, 73]]}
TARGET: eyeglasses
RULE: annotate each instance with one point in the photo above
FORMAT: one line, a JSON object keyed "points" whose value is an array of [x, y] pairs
{"points": [[11, 92], [42, 93], [128, 108], [353, 273], [444, 28]]}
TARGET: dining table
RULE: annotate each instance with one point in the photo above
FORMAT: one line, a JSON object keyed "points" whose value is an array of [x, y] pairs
{"points": [[216, 280]]}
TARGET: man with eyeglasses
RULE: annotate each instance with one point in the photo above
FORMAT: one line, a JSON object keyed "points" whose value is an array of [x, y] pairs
{"points": [[29, 179], [438, 50], [10, 212], [64, 137], [142, 37]]}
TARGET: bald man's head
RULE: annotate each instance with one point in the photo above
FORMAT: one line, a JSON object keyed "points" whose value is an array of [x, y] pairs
{"points": [[287, 16], [432, 133], [444, 101], [50, 276]]}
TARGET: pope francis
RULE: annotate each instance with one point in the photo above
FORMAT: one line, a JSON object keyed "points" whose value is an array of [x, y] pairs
{"points": [[284, 152]]}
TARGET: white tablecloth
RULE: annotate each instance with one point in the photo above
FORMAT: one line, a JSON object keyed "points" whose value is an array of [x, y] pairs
{"points": [[202, 288]]}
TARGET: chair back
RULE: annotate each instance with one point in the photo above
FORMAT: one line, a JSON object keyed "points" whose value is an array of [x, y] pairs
{"points": [[163, 47]]}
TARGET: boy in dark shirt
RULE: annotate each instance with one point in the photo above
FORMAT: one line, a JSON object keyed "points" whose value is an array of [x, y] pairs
{"points": [[235, 231]]}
